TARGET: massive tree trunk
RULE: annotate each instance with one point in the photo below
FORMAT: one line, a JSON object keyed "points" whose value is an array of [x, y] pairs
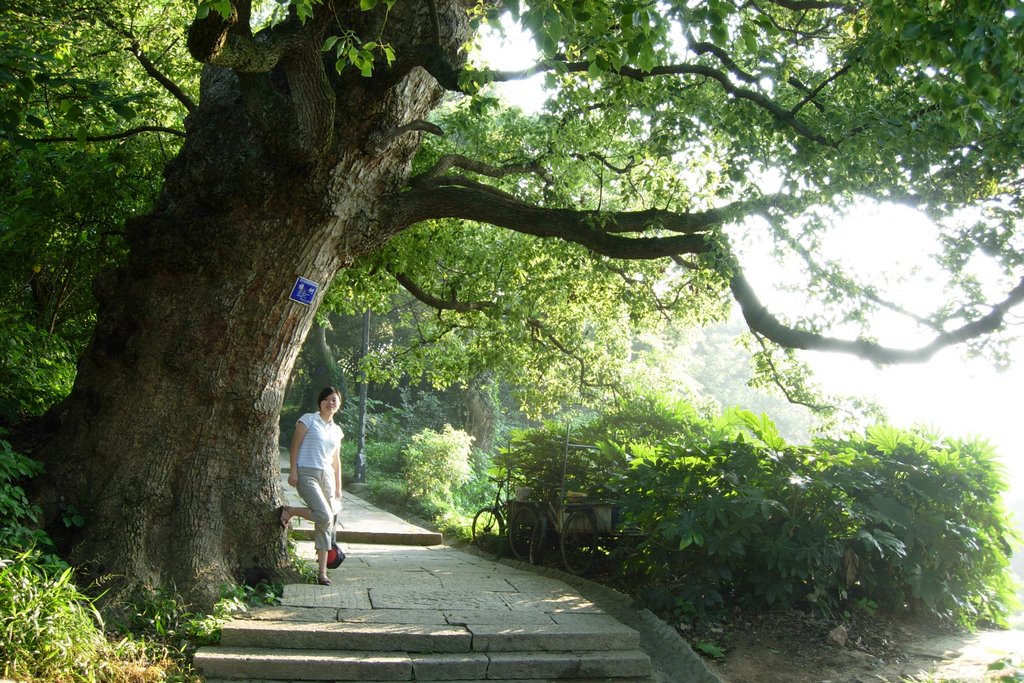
{"points": [[168, 444]]}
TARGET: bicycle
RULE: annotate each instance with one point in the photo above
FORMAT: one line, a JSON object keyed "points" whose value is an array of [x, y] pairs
{"points": [[492, 516]]}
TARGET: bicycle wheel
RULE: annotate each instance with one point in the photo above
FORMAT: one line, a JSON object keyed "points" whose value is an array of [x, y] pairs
{"points": [[538, 539], [520, 531], [487, 522], [579, 541]]}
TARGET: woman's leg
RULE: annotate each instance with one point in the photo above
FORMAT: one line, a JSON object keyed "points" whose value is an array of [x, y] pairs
{"points": [[315, 489]]}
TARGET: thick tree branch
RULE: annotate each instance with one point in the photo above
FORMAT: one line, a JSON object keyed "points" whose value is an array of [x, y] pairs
{"points": [[379, 141], [447, 162], [113, 136], [805, 5], [229, 43], [782, 115], [592, 229], [436, 302], [762, 322], [134, 48]]}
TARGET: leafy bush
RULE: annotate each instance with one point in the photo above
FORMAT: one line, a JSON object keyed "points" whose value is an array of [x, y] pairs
{"points": [[387, 492], [50, 631], [36, 369], [386, 457], [18, 517], [739, 516], [45, 622], [436, 462], [730, 514], [478, 490]]}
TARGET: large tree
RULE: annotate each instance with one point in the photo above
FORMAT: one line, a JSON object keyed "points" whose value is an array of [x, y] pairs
{"points": [[671, 126]]}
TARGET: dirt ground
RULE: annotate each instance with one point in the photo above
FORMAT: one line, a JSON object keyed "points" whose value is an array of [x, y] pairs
{"points": [[793, 647]]}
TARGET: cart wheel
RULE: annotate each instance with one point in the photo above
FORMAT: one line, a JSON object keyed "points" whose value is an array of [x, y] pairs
{"points": [[520, 531], [579, 541], [487, 522], [538, 539]]}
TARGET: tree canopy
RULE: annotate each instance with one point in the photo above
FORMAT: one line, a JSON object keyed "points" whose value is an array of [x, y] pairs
{"points": [[672, 133]]}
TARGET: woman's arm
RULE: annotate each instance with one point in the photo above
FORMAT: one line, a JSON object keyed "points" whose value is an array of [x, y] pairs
{"points": [[337, 472], [293, 470]]}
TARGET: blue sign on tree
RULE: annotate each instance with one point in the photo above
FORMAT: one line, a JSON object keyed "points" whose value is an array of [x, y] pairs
{"points": [[304, 291]]}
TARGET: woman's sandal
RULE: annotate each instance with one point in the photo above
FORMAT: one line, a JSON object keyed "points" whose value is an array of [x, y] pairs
{"points": [[323, 581], [281, 512]]}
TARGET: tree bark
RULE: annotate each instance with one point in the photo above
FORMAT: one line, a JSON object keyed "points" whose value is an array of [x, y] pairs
{"points": [[168, 443]]}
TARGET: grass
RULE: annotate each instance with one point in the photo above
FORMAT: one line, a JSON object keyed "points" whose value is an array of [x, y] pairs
{"points": [[51, 631]]}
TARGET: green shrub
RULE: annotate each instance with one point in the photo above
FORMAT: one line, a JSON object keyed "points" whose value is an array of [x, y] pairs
{"points": [[387, 492], [385, 457], [48, 629], [732, 515], [18, 517], [477, 491], [436, 462], [908, 523], [37, 369], [540, 459]]}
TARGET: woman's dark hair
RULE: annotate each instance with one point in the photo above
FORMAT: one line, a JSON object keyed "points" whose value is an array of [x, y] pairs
{"points": [[327, 391]]}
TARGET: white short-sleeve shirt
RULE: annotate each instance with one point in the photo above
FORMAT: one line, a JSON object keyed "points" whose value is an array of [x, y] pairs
{"points": [[319, 443]]}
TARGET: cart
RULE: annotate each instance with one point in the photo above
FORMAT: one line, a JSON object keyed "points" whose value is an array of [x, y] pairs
{"points": [[575, 522]]}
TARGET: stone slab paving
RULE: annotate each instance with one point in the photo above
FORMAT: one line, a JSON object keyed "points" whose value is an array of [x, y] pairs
{"points": [[434, 613], [308, 665]]}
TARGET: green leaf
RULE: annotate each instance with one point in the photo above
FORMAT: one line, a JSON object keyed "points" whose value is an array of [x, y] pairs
{"points": [[710, 649], [886, 438]]}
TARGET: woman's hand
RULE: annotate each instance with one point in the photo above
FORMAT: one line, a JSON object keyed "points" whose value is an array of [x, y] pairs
{"points": [[293, 479]]}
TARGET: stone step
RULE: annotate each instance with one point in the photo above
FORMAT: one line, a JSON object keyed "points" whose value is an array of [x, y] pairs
{"points": [[645, 679], [343, 636], [265, 664], [382, 537], [388, 637]]}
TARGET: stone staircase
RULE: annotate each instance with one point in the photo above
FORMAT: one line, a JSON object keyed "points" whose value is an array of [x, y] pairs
{"points": [[444, 624]]}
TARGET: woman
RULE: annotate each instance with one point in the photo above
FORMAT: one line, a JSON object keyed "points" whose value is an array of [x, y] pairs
{"points": [[316, 474]]}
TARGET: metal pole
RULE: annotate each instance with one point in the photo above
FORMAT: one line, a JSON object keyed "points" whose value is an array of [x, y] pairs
{"points": [[361, 451]]}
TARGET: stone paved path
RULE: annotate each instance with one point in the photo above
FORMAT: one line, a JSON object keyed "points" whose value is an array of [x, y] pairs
{"points": [[406, 599]]}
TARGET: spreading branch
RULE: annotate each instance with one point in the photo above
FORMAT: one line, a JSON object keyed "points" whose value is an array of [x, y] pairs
{"points": [[783, 386], [229, 43], [762, 322], [540, 330], [134, 48], [435, 302], [450, 161], [113, 136], [784, 116], [379, 141], [598, 231]]}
